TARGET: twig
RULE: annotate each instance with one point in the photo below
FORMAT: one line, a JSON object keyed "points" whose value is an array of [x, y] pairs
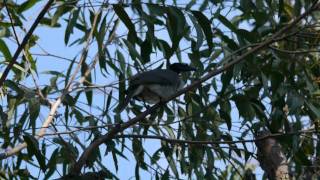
{"points": [[78, 166], [181, 141]]}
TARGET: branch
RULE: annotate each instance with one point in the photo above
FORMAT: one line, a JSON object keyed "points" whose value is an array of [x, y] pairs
{"points": [[24, 42], [111, 134], [181, 141]]}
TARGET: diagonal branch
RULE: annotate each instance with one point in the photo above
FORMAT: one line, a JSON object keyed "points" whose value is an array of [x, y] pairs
{"points": [[24, 41], [113, 132]]}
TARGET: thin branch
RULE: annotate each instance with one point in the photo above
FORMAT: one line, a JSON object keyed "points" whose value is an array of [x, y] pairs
{"points": [[24, 42], [113, 132], [294, 52], [181, 141]]}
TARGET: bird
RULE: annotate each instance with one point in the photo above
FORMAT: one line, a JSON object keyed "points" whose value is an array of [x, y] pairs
{"points": [[154, 85]]}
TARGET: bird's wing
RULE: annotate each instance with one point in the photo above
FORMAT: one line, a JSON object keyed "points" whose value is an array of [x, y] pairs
{"points": [[132, 91], [157, 76]]}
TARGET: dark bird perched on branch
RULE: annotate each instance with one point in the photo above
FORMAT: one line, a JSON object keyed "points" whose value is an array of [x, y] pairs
{"points": [[154, 85]]}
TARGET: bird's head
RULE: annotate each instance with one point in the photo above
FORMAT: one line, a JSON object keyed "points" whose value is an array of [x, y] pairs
{"points": [[181, 67]]}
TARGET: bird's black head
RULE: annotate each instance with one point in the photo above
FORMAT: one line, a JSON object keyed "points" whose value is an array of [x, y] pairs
{"points": [[181, 67]]}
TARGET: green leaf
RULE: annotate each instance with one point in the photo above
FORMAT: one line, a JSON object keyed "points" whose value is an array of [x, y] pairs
{"points": [[230, 42], [26, 5], [122, 14], [69, 71], [64, 8], [14, 86], [33, 149], [52, 164], [121, 60], [165, 176], [244, 106], [138, 152], [87, 82], [108, 101], [100, 39], [80, 118], [313, 109], [133, 52], [226, 116], [295, 102], [199, 32], [227, 23], [34, 110], [48, 22], [168, 154], [5, 50], [146, 49], [206, 27], [165, 48], [176, 24], [71, 23]]}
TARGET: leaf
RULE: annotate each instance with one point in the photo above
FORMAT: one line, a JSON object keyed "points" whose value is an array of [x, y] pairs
{"points": [[71, 23], [48, 22], [165, 48], [108, 102], [313, 109], [227, 23], [138, 152], [206, 27], [230, 42], [121, 60], [87, 82], [79, 116], [14, 86], [33, 149], [65, 7], [226, 116], [244, 106], [5, 50], [26, 5], [176, 25], [34, 110], [69, 71], [295, 102], [100, 39], [52, 163], [199, 32], [165, 176], [168, 154], [55, 73], [146, 49], [133, 52], [121, 13]]}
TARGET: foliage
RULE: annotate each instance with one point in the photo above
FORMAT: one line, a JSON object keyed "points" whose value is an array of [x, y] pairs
{"points": [[206, 133]]}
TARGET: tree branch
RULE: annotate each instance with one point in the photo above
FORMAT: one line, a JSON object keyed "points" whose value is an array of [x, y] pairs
{"points": [[111, 134], [181, 141]]}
